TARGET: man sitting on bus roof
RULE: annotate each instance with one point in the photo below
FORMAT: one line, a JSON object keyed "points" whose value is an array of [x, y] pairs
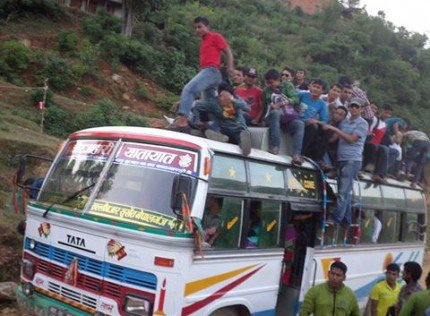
{"points": [[227, 110]]}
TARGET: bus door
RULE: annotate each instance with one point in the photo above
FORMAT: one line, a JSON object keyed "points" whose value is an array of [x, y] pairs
{"points": [[298, 256]]}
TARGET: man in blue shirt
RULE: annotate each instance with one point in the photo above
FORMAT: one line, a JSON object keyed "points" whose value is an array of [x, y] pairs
{"points": [[352, 133], [313, 111]]}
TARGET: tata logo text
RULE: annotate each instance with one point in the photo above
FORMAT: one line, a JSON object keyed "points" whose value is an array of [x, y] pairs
{"points": [[77, 241]]}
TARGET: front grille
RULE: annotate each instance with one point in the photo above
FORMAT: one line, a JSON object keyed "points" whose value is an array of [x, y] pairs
{"points": [[104, 270], [73, 295]]}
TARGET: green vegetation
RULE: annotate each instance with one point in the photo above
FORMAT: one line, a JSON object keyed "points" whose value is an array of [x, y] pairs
{"points": [[392, 64]]}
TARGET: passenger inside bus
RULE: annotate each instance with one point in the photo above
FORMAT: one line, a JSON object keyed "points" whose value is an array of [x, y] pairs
{"points": [[211, 218], [253, 236]]}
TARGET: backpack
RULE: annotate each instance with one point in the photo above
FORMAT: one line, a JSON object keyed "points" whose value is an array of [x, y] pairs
{"points": [[288, 110]]}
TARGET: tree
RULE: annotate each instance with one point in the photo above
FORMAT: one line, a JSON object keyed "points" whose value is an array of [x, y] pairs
{"points": [[138, 10]]}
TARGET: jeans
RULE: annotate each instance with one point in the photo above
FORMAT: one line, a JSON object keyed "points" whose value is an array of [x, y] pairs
{"points": [[378, 154], [315, 141], [417, 154], [294, 127], [206, 81], [348, 170]]}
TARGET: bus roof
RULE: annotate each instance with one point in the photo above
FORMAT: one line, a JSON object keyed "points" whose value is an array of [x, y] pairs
{"points": [[179, 139]]}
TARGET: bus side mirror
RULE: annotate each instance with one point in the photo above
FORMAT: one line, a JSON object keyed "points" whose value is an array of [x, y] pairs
{"points": [[181, 184]]}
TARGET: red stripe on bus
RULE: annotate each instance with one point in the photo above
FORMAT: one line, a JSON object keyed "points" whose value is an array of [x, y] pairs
{"points": [[221, 292]]}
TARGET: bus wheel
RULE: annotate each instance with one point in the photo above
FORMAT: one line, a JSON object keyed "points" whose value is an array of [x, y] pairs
{"points": [[228, 311]]}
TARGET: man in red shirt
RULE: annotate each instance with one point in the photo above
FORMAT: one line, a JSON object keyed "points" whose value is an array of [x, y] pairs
{"points": [[253, 96], [209, 77]]}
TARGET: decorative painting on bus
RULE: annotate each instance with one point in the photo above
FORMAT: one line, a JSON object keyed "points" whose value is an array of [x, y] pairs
{"points": [[90, 149], [134, 215], [302, 183], [158, 157]]}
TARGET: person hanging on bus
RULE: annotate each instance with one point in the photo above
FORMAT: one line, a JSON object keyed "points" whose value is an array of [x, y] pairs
{"points": [[352, 133], [418, 303], [412, 272], [209, 77], [332, 297], [384, 294], [211, 219]]}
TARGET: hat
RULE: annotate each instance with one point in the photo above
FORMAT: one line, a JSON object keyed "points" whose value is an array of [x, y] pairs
{"points": [[251, 72], [357, 101]]}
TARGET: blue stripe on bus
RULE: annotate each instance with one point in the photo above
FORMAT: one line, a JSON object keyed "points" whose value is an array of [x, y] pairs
{"points": [[97, 267], [270, 312]]}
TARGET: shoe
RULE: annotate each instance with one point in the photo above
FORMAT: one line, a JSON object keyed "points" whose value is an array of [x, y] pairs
{"points": [[179, 123], [413, 185], [331, 174], [297, 160], [377, 178], [217, 136], [245, 142], [360, 175], [274, 150], [402, 176], [324, 166]]}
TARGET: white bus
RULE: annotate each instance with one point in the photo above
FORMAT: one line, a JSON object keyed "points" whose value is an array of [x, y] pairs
{"points": [[120, 227]]}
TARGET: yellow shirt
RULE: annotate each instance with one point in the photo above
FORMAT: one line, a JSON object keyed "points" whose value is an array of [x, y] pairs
{"points": [[385, 295]]}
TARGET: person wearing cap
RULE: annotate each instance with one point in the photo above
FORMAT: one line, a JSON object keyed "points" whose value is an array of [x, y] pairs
{"points": [[209, 77], [253, 96], [332, 297], [352, 133]]}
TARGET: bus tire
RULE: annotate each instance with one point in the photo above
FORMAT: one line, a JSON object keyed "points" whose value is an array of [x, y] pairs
{"points": [[230, 311]]}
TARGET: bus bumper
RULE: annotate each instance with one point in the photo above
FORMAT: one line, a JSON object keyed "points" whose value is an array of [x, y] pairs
{"points": [[41, 305]]}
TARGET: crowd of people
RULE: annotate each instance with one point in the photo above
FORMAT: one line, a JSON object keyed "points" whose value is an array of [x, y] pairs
{"points": [[387, 297], [339, 128]]}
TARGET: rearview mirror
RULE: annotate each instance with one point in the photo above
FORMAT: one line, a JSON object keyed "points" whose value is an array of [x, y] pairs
{"points": [[181, 184]]}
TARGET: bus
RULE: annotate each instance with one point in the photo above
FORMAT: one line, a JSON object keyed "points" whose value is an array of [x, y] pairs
{"points": [[143, 221]]}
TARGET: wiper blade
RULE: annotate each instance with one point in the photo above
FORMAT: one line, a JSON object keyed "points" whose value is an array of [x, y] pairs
{"points": [[68, 199]]}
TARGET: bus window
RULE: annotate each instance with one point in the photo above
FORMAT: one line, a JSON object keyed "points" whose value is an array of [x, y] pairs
{"points": [[370, 194], [231, 219], [228, 174], [264, 228], [412, 231], [393, 197], [266, 178], [370, 226], [390, 227]]}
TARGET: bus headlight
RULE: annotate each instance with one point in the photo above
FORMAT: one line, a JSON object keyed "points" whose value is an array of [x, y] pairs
{"points": [[28, 268], [27, 289], [137, 306], [32, 244]]}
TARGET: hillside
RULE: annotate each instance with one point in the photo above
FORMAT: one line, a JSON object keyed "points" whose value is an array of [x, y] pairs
{"points": [[98, 77]]}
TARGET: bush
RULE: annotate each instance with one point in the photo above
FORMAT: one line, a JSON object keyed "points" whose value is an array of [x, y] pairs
{"points": [[37, 96], [101, 25], [130, 119], [56, 120], [67, 41], [142, 92], [15, 8], [14, 58], [59, 72]]}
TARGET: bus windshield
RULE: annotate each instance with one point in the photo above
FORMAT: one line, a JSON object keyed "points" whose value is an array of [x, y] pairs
{"points": [[79, 167], [138, 185]]}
